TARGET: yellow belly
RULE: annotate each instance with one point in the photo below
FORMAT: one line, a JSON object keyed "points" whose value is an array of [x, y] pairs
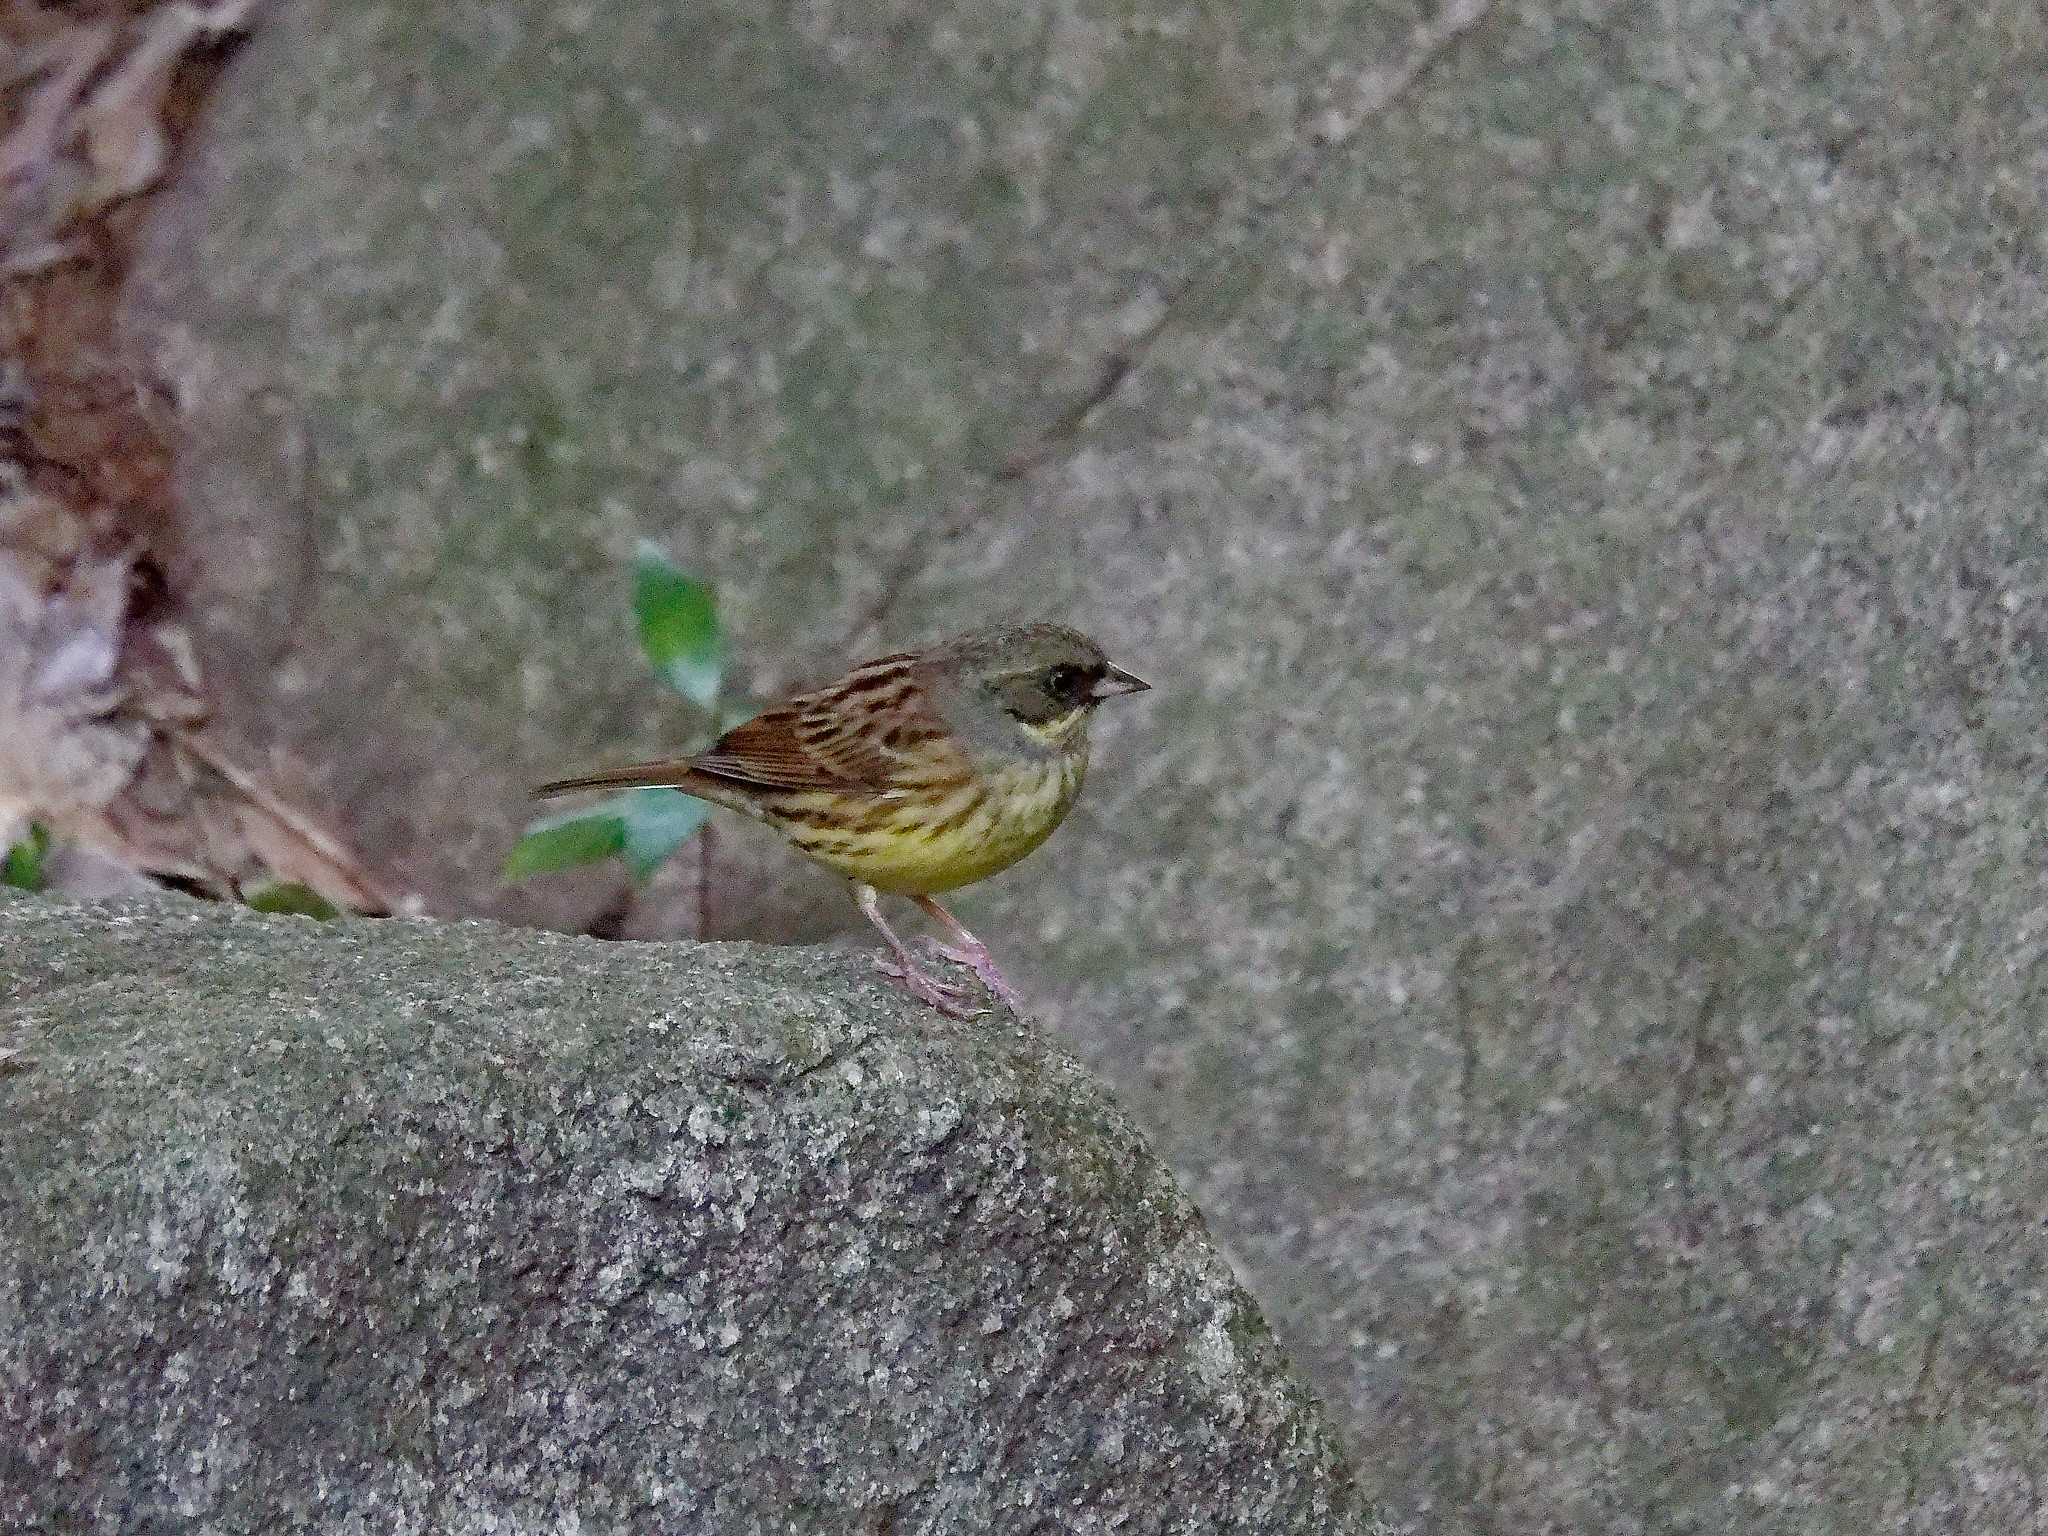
{"points": [[918, 848]]}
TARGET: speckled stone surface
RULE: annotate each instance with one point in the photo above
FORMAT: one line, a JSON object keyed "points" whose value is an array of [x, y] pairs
{"points": [[404, 1228], [1571, 912]]}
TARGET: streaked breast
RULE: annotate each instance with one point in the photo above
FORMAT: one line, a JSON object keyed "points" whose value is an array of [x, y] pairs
{"points": [[935, 841]]}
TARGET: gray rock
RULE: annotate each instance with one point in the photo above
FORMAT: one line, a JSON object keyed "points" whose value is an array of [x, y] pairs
{"points": [[1571, 911], [399, 1227]]}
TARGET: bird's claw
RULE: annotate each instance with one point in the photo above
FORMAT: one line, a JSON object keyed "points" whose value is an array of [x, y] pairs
{"points": [[978, 961], [926, 988]]}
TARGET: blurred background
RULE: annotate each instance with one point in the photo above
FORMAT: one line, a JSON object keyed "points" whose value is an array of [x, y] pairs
{"points": [[1570, 469]]}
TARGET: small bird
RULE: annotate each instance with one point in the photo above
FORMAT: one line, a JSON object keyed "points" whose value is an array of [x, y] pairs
{"points": [[913, 774]]}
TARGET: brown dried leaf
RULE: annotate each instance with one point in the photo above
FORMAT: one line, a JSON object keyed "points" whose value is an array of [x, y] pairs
{"points": [[65, 747], [91, 130], [120, 122], [106, 734]]}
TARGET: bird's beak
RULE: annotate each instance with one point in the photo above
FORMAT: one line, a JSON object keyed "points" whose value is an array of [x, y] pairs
{"points": [[1117, 681]]}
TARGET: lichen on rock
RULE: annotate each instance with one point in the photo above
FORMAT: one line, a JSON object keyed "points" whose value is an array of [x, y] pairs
{"points": [[458, 1229]]}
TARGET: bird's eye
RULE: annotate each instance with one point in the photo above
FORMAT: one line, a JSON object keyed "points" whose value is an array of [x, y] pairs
{"points": [[1064, 682]]}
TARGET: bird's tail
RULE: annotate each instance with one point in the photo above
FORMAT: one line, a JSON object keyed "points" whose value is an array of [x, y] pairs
{"points": [[672, 773]]}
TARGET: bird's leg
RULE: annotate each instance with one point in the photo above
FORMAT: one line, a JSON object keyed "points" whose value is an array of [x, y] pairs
{"points": [[969, 951], [904, 970]]}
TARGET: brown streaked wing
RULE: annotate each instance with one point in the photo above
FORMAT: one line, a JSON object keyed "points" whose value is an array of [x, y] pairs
{"points": [[866, 731]]}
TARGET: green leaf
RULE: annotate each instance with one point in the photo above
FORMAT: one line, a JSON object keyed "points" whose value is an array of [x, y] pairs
{"points": [[289, 897], [560, 842], [658, 821], [679, 628], [24, 867]]}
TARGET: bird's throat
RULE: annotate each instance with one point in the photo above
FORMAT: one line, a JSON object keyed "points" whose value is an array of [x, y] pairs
{"points": [[1061, 734]]}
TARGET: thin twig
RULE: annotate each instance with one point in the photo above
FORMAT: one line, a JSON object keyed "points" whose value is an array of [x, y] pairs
{"points": [[705, 834]]}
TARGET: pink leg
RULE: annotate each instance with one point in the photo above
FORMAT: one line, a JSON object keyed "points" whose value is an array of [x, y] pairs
{"points": [[969, 951], [904, 970]]}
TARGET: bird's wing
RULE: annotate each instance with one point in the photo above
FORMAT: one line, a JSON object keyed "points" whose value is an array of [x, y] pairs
{"points": [[872, 730]]}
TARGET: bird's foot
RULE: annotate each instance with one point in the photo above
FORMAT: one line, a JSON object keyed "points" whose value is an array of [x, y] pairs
{"points": [[927, 988], [976, 958]]}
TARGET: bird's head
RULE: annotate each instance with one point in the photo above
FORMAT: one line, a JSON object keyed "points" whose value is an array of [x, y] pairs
{"points": [[1042, 681]]}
